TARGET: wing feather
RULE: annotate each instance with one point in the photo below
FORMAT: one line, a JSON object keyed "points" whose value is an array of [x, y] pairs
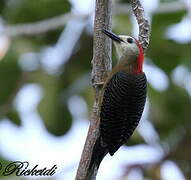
{"points": [[122, 106]]}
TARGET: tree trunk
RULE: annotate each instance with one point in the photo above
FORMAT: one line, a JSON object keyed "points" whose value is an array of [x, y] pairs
{"points": [[101, 64]]}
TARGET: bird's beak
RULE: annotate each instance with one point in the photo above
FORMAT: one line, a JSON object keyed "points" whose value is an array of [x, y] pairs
{"points": [[113, 36]]}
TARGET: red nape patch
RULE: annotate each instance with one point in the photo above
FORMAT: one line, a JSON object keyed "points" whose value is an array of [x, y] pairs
{"points": [[140, 57]]}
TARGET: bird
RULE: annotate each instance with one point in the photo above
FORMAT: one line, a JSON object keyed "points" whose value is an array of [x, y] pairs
{"points": [[124, 96]]}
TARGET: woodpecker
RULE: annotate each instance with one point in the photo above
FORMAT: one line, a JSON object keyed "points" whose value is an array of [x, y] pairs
{"points": [[124, 96]]}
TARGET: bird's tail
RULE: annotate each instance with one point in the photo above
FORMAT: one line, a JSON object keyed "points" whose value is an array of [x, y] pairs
{"points": [[99, 152]]}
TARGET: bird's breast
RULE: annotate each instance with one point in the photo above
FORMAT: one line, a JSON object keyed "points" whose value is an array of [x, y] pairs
{"points": [[122, 106]]}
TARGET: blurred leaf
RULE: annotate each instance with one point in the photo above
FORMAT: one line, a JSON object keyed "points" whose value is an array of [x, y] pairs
{"points": [[53, 111], [2, 5], [14, 117], [165, 53], [170, 110], [4, 162], [10, 75], [47, 38], [29, 11]]}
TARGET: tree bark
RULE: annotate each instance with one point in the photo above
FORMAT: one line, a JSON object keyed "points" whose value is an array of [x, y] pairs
{"points": [[144, 27], [101, 64]]}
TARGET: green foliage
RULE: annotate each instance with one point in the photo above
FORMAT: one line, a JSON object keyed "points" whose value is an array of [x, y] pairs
{"points": [[2, 5], [52, 109], [171, 51], [14, 117], [28, 11], [10, 77], [10, 74], [166, 111], [3, 163], [169, 110]]}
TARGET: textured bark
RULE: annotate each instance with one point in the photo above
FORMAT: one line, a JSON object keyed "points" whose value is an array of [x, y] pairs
{"points": [[101, 64], [144, 28]]}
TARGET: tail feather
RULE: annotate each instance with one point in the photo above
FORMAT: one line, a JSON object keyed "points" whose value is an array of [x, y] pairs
{"points": [[99, 152]]}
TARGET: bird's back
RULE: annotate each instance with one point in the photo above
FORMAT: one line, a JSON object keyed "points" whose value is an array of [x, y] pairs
{"points": [[122, 106]]}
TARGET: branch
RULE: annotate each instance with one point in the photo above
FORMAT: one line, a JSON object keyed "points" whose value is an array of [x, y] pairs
{"points": [[144, 27], [101, 64], [41, 26]]}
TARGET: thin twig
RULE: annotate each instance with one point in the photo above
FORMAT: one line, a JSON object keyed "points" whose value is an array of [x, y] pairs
{"points": [[144, 27], [101, 64], [41, 26]]}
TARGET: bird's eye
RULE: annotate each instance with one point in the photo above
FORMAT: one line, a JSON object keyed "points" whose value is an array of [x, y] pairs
{"points": [[130, 40]]}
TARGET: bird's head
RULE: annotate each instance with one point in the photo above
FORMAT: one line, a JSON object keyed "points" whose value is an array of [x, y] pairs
{"points": [[128, 49]]}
